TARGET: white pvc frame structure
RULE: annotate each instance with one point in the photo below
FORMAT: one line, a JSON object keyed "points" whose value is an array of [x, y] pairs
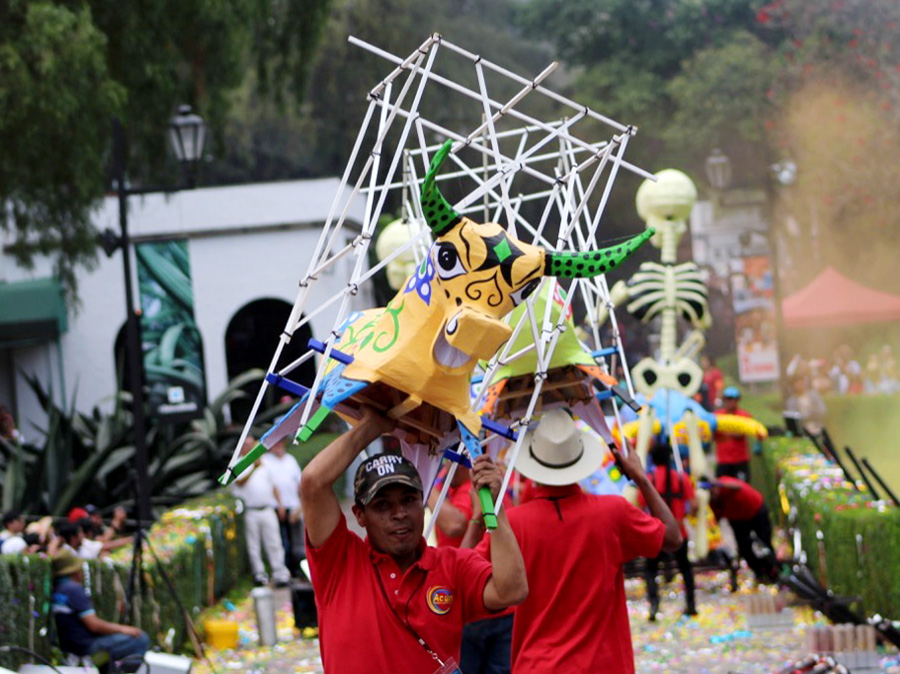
{"points": [[549, 153]]}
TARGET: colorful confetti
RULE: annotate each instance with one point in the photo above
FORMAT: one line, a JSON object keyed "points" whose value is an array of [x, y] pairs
{"points": [[717, 641], [297, 650]]}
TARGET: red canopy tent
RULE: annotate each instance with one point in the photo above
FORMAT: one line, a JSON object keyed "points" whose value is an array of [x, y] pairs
{"points": [[832, 299]]}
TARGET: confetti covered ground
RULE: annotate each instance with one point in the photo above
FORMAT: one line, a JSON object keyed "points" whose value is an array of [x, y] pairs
{"points": [[292, 653], [717, 641]]}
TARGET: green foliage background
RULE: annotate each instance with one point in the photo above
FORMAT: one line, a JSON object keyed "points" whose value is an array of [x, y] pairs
{"points": [[285, 93], [83, 458], [68, 67]]}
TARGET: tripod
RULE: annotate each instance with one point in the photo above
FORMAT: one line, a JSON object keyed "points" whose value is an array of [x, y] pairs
{"points": [[136, 586]]}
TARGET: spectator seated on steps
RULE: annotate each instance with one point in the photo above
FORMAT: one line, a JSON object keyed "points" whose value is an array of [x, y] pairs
{"points": [[80, 630]]}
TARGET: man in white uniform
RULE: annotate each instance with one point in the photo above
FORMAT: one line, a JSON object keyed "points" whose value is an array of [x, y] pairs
{"points": [[285, 472], [257, 490]]}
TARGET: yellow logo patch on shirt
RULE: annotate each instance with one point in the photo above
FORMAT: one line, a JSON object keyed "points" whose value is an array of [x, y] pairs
{"points": [[440, 599]]}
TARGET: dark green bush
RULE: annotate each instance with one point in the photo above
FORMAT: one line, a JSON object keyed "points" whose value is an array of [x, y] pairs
{"points": [[861, 538]]}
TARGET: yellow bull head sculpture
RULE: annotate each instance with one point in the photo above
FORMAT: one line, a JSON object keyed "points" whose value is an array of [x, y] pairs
{"points": [[447, 316]]}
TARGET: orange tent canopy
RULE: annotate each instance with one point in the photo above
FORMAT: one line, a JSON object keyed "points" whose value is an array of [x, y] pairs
{"points": [[832, 299]]}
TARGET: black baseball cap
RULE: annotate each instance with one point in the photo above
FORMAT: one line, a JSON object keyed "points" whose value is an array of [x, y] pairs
{"points": [[382, 470]]}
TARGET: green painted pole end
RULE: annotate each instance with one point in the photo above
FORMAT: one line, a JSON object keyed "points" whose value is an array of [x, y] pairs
{"points": [[313, 424], [243, 464], [487, 508]]}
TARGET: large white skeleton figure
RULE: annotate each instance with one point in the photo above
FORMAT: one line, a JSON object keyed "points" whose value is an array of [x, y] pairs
{"points": [[667, 289]]}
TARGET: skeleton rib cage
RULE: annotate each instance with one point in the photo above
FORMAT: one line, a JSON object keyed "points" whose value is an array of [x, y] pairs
{"points": [[509, 145], [648, 297]]}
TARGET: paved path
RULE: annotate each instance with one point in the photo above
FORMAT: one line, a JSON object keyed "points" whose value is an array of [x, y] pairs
{"points": [[715, 642]]}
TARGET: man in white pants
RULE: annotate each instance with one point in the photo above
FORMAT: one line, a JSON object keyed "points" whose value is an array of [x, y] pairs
{"points": [[257, 490], [285, 471]]}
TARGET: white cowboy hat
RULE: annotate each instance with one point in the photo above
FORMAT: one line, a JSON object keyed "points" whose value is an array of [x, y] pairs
{"points": [[558, 452]]}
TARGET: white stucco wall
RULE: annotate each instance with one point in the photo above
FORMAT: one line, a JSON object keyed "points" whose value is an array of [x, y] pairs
{"points": [[245, 243]]}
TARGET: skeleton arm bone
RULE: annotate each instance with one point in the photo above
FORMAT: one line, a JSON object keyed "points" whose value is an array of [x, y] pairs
{"points": [[618, 295]]}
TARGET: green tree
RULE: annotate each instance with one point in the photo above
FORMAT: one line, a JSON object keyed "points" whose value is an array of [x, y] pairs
{"points": [[655, 64], [816, 82], [857, 36], [344, 73], [653, 35], [720, 99], [67, 67], [56, 99]]}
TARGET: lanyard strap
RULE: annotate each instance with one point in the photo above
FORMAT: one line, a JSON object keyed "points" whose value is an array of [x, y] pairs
{"points": [[405, 623]]}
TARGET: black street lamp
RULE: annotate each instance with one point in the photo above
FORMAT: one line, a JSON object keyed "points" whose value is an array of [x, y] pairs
{"points": [[187, 135], [718, 170], [785, 173]]}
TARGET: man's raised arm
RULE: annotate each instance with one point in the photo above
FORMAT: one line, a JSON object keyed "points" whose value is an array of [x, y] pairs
{"points": [[321, 509], [508, 585]]}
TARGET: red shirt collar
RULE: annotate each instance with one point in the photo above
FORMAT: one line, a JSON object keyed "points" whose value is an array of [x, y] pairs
{"points": [[548, 491]]}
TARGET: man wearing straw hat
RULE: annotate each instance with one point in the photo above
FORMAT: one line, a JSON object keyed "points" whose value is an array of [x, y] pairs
{"points": [[390, 603], [574, 545], [81, 631]]}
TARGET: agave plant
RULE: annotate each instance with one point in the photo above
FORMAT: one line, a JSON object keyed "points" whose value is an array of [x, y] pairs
{"points": [[14, 461], [87, 458], [69, 462], [192, 462]]}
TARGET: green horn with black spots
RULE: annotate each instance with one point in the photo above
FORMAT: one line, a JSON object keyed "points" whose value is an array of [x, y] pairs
{"points": [[440, 215], [593, 262]]}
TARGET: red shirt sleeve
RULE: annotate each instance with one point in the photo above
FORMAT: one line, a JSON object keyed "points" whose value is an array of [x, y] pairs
{"points": [[640, 535], [473, 572], [327, 562], [462, 500]]}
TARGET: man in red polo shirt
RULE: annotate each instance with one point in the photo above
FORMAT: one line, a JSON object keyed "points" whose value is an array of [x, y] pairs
{"points": [[390, 603], [575, 618], [746, 512], [677, 490], [732, 450], [456, 511]]}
